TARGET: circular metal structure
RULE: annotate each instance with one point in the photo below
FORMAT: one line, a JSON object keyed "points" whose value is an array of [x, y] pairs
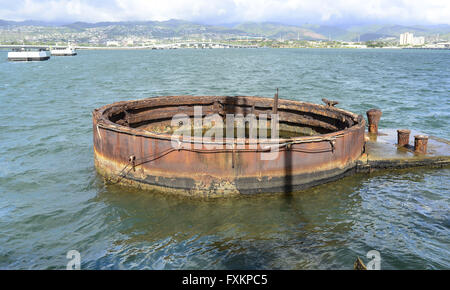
{"points": [[134, 145]]}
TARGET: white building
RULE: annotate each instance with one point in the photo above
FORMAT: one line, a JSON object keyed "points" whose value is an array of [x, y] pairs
{"points": [[112, 43], [418, 40], [406, 38], [443, 45]]}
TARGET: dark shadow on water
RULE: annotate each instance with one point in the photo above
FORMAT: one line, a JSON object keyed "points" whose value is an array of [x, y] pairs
{"points": [[326, 226], [288, 182], [278, 231]]}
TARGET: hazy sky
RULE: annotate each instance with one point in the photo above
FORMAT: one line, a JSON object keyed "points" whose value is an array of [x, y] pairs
{"points": [[232, 11]]}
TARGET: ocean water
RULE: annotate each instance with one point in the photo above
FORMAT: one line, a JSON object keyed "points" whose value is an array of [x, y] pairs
{"points": [[52, 200]]}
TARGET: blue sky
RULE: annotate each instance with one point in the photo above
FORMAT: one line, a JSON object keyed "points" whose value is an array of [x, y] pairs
{"points": [[232, 11]]}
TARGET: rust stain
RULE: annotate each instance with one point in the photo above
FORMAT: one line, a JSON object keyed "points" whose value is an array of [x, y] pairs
{"points": [[132, 146]]}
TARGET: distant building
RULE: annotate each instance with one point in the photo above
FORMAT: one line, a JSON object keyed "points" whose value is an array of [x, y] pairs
{"points": [[443, 45], [406, 38], [354, 45], [418, 40], [112, 43]]}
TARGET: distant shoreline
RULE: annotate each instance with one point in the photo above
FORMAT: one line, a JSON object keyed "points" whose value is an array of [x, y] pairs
{"points": [[7, 47]]}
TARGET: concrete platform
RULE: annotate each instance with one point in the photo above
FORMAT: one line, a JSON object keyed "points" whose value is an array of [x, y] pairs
{"points": [[382, 152]]}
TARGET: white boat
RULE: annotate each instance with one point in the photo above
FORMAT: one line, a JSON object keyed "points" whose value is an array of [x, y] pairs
{"points": [[63, 51], [23, 54]]}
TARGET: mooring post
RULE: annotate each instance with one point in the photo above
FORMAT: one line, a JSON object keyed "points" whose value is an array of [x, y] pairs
{"points": [[420, 144], [403, 137], [373, 115], [275, 104]]}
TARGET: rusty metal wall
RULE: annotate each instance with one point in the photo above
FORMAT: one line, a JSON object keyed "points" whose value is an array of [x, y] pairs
{"points": [[218, 173]]}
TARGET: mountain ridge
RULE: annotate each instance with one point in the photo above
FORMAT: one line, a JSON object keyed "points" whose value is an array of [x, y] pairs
{"points": [[270, 30]]}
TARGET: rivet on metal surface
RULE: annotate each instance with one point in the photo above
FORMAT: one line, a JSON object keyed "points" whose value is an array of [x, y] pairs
{"points": [[373, 115], [420, 144], [403, 137]]}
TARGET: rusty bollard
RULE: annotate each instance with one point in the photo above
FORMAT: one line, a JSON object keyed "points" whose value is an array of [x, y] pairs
{"points": [[403, 137], [420, 144], [373, 115]]}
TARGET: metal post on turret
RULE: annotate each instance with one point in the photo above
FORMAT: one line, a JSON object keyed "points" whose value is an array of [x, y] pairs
{"points": [[373, 116], [275, 104], [420, 144]]}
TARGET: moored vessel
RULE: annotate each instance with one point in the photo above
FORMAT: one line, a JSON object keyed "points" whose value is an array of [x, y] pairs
{"points": [[23, 54], [63, 51]]}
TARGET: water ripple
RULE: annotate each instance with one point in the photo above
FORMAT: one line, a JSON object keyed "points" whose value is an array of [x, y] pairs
{"points": [[52, 200]]}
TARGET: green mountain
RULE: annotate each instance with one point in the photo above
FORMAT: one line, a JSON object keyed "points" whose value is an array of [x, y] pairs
{"points": [[101, 32], [332, 32], [276, 31], [156, 29]]}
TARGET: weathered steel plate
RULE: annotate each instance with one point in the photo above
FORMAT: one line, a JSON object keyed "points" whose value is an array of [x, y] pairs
{"points": [[302, 162]]}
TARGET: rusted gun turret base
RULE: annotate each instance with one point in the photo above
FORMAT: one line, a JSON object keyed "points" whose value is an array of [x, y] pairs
{"points": [[383, 153], [134, 145]]}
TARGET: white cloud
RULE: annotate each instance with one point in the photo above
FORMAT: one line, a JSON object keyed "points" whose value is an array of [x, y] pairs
{"points": [[223, 11]]}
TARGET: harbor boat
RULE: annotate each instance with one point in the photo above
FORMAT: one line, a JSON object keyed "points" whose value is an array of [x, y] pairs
{"points": [[63, 51], [23, 54]]}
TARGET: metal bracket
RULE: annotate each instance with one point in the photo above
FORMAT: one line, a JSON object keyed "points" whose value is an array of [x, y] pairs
{"points": [[333, 145], [330, 103], [132, 160], [275, 104]]}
